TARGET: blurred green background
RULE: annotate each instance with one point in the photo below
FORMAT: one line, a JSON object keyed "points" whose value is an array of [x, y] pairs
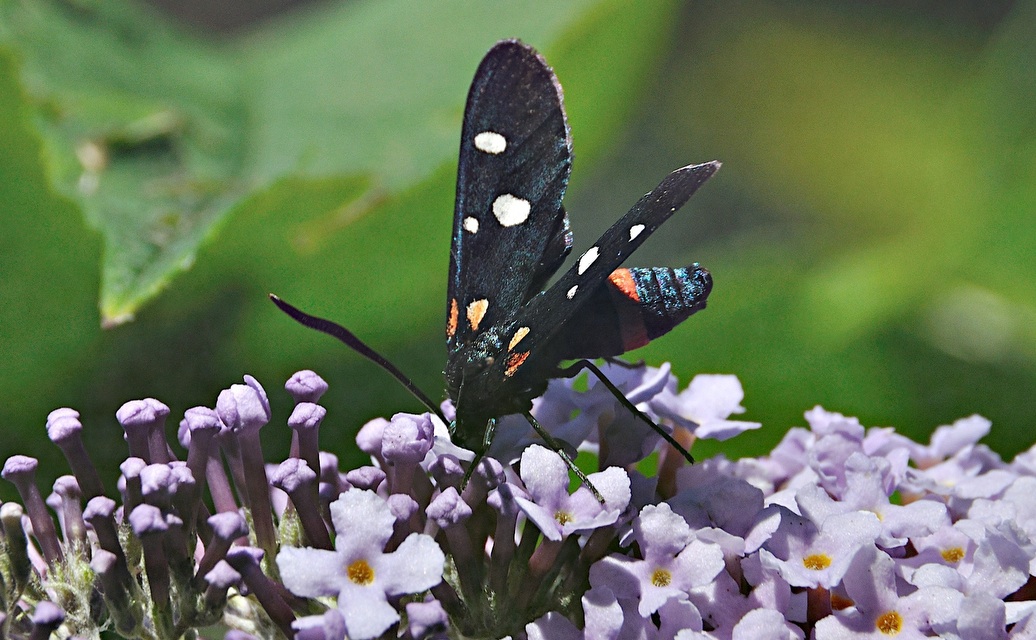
{"points": [[871, 234]]}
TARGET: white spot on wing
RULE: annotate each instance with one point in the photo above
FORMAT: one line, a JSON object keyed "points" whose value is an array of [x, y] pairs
{"points": [[635, 231], [572, 292], [587, 259], [510, 210], [471, 225], [490, 142]]}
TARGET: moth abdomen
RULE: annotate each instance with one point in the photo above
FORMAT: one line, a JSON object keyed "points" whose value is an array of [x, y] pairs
{"points": [[665, 296], [631, 308]]}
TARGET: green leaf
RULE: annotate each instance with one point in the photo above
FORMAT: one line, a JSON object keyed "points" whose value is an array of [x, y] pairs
{"points": [[157, 135], [374, 87], [143, 127], [48, 287]]}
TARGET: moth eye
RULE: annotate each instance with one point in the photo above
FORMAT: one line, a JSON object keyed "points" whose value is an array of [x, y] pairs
{"points": [[475, 367]]}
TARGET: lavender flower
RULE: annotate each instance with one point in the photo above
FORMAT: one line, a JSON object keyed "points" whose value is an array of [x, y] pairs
{"points": [[674, 562], [558, 514], [878, 611], [704, 406], [842, 531], [359, 573]]}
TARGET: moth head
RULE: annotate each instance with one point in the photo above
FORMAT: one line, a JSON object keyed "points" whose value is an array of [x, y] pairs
{"points": [[480, 387], [473, 359]]}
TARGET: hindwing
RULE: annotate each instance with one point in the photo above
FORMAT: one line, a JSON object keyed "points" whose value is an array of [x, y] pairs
{"points": [[548, 325]]}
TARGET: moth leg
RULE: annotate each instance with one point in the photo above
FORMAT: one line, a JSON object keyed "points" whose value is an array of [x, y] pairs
{"points": [[622, 363], [558, 449], [574, 370], [487, 439], [471, 469]]}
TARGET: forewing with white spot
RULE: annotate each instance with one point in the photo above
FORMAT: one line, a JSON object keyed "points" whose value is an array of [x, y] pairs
{"points": [[510, 232], [547, 312]]}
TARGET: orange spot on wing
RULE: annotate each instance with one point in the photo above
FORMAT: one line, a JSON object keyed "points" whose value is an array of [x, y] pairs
{"points": [[514, 361], [477, 311], [451, 321], [622, 280], [518, 335]]}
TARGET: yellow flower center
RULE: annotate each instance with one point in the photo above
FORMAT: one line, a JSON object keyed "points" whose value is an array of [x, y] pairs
{"points": [[661, 578], [817, 561], [953, 554], [889, 623], [563, 517], [360, 573]]}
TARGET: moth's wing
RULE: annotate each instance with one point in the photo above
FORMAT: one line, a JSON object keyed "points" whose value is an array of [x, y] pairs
{"points": [[552, 314], [557, 249], [510, 232], [630, 309]]}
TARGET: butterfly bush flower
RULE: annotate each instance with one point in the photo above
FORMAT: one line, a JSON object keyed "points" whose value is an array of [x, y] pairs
{"points": [[358, 573], [840, 532], [674, 561]]}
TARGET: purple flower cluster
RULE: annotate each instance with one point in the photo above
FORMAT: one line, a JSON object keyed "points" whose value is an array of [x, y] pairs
{"points": [[840, 532]]}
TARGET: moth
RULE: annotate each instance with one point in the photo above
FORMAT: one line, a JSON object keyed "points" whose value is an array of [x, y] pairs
{"points": [[506, 336]]}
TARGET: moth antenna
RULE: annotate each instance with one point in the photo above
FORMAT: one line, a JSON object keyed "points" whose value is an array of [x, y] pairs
{"points": [[350, 340]]}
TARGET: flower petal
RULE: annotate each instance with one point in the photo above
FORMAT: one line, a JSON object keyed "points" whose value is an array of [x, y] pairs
{"points": [[414, 566], [363, 521], [367, 613], [310, 572], [545, 476]]}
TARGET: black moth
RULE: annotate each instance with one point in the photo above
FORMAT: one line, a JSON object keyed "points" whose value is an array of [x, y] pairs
{"points": [[505, 336]]}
